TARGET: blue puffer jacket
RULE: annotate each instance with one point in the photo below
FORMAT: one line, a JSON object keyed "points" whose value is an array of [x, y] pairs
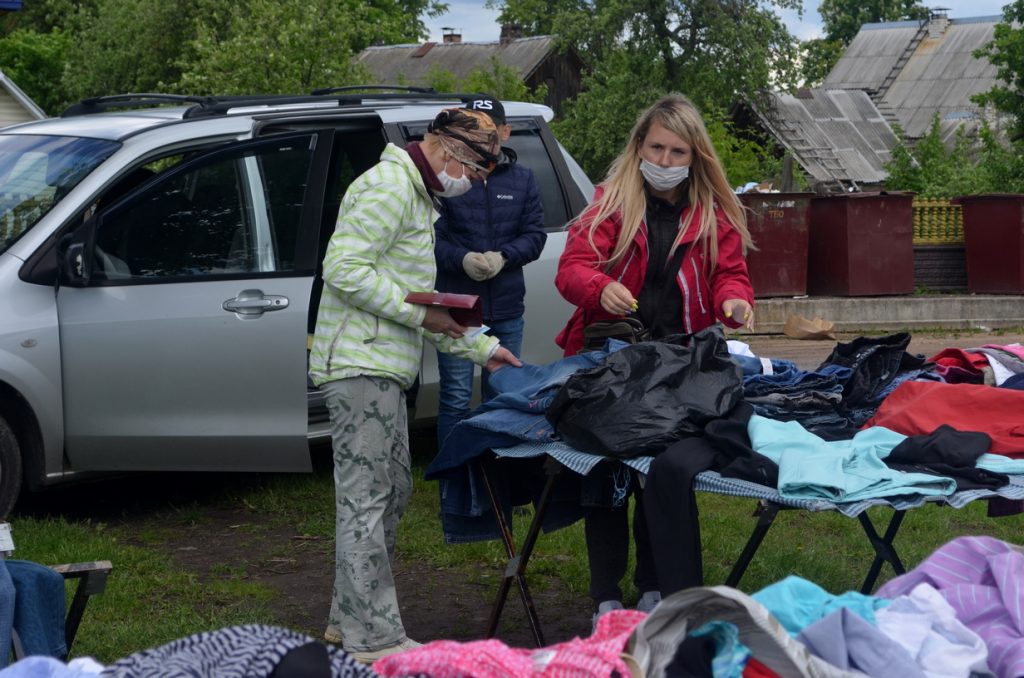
{"points": [[503, 214]]}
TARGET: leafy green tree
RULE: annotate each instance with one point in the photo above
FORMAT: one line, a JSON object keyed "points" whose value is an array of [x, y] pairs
{"points": [[501, 81], [841, 20], [212, 46], [300, 46], [974, 164], [1006, 52], [136, 45], [42, 16], [709, 50], [35, 62], [714, 52]]}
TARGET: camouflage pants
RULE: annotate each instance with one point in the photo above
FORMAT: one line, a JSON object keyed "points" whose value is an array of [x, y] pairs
{"points": [[373, 482]]}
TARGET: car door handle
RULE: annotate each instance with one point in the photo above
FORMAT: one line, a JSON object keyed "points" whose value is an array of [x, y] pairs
{"points": [[254, 302]]}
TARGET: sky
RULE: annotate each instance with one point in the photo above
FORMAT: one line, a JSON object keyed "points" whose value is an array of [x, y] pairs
{"points": [[478, 24]]}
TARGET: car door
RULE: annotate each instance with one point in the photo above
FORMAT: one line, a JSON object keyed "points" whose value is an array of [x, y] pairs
{"points": [[185, 349]]}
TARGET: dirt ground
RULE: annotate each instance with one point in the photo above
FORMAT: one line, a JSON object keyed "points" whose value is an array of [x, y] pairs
{"points": [[435, 603]]}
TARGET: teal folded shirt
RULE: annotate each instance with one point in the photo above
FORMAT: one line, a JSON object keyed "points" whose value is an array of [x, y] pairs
{"points": [[839, 471]]}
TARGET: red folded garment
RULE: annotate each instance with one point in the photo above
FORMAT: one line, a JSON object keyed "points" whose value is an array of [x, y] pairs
{"points": [[920, 407]]}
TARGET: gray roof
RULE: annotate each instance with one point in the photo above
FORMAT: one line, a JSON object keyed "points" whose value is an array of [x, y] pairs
{"points": [[835, 135], [938, 76], [393, 64]]}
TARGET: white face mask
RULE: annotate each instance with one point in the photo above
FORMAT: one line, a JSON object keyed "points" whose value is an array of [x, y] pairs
{"points": [[663, 178], [452, 186]]}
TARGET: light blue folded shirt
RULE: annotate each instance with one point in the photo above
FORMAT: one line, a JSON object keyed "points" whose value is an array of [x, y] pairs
{"points": [[839, 470]]}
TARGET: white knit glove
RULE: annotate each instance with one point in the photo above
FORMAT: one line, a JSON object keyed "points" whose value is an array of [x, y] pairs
{"points": [[476, 266], [495, 262]]}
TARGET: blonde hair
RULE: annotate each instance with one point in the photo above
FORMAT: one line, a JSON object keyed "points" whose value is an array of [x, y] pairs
{"points": [[623, 188]]}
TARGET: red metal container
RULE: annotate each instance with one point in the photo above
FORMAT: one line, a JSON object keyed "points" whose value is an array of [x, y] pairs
{"points": [[861, 244], [994, 242], [778, 223]]}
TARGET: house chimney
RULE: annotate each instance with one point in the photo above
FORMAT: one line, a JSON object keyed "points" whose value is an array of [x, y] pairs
{"points": [[510, 32], [938, 21], [449, 35]]}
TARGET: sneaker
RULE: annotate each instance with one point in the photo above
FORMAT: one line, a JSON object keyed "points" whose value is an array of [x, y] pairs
{"points": [[606, 606], [648, 601], [370, 656], [332, 635]]}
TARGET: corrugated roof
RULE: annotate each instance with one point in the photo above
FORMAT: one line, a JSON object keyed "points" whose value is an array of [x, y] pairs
{"points": [[835, 135], [392, 64], [939, 77]]}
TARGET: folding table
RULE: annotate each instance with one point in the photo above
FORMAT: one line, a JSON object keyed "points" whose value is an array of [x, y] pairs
{"points": [[560, 457]]}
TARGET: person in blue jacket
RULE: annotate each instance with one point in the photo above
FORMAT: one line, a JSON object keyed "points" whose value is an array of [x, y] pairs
{"points": [[483, 240]]}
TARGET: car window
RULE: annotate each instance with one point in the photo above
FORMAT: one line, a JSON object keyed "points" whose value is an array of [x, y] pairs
{"points": [[36, 171], [530, 151], [232, 214]]}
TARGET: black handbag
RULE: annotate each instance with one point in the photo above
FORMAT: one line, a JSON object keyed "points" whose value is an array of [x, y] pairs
{"points": [[630, 330]]}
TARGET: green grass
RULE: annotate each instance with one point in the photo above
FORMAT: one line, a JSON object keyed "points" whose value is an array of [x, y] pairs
{"points": [[150, 601]]}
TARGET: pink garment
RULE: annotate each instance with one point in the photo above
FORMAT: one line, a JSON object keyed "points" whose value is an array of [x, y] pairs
{"points": [[1015, 349], [596, 656], [920, 407]]}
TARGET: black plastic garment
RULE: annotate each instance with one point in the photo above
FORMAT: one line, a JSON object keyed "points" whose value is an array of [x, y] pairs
{"points": [[645, 397]]}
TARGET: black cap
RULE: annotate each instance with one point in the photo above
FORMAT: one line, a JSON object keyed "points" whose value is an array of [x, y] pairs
{"points": [[489, 105]]}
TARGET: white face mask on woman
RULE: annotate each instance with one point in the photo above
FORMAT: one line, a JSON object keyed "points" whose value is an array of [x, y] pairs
{"points": [[663, 178], [452, 186]]}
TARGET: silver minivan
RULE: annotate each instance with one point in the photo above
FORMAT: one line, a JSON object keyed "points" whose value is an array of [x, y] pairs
{"points": [[159, 275]]}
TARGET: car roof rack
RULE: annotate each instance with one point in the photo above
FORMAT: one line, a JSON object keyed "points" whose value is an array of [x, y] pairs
{"points": [[221, 105], [130, 100]]}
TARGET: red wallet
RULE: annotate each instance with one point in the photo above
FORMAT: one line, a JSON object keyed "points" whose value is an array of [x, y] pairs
{"points": [[464, 309]]}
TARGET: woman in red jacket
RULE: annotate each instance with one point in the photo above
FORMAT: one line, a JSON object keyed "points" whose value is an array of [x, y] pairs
{"points": [[664, 240]]}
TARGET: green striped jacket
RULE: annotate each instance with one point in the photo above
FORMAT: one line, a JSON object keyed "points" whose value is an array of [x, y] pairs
{"points": [[382, 248]]}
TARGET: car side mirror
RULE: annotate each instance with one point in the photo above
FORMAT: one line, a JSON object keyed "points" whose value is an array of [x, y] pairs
{"points": [[74, 258]]}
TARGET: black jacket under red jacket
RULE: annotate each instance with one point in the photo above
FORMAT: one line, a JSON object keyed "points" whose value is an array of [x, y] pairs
{"points": [[503, 214]]}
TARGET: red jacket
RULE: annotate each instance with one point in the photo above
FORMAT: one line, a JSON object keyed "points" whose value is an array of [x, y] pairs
{"points": [[581, 278]]}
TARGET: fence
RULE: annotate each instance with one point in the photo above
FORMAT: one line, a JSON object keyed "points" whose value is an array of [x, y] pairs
{"points": [[938, 222]]}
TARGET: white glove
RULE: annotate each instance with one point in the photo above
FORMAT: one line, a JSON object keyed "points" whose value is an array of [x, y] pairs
{"points": [[495, 262], [476, 266]]}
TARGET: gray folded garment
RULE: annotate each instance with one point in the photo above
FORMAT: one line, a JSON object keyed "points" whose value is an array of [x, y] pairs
{"points": [[654, 642]]}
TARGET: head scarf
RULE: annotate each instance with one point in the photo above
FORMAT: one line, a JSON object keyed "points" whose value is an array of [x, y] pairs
{"points": [[469, 136]]}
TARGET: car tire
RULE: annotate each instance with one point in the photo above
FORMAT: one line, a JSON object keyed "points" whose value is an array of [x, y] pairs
{"points": [[10, 468]]}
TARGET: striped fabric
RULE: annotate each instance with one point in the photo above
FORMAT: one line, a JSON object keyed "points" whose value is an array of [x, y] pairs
{"points": [[249, 651], [981, 578], [711, 481]]}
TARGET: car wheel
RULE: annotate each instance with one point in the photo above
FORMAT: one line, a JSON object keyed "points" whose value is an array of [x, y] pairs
{"points": [[10, 469]]}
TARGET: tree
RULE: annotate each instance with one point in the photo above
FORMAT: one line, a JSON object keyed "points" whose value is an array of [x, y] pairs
{"points": [[710, 50], [714, 52], [301, 47], [1006, 52], [981, 164], [841, 20], [43, 16], [136, 45], [35, 62], [212, 46]]}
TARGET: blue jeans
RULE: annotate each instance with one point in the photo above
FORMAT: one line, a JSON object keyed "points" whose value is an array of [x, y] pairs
{"points": [[456, 385]]}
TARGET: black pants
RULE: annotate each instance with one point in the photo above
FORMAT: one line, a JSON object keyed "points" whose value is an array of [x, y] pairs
{"points": [[607, 532]]}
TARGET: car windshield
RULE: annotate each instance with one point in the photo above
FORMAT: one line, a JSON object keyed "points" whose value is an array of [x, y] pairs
{"points": [[36, 172]]}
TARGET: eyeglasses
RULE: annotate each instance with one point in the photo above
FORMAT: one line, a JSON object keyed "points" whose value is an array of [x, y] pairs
{"points": [[485, 169]]}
